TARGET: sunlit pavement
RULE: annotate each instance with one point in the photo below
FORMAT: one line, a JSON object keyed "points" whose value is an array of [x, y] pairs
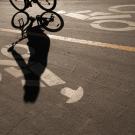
{"points": [[88, 85]]}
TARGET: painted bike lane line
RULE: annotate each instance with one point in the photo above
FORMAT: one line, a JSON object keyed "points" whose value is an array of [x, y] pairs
{"points": [[82, 41]]}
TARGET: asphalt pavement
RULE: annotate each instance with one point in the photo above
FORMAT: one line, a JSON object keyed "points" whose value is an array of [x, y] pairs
{"points": [[83, 80]]}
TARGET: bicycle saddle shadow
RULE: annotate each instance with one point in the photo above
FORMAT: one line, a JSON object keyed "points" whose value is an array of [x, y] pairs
{"points": [[38, 44]]}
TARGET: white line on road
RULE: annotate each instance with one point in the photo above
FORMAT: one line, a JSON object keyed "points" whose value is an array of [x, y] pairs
{"points": [[61, 12], [83, 12], [94, 43], [18, 73], [84, 42], [77, 16], [109, 17], [47, 77], [8, 63], [10, 30], [14, 72], [99, 14], [118, 8], [51, 79]]}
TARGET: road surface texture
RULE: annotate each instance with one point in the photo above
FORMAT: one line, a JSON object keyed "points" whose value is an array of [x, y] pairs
{"points": [[87, 78]]}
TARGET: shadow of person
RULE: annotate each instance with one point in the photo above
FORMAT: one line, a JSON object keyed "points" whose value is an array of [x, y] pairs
{"points": [[38, 44]]}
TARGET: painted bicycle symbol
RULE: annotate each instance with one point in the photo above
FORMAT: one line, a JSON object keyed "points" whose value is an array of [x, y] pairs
{"points": [[115, 20]]}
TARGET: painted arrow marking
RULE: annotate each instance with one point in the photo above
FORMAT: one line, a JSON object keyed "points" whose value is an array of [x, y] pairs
{"points": [[73, 95], [51, 79], [48, 77]]}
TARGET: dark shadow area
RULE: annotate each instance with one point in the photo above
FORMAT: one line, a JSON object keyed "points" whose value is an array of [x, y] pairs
{"points": [[38, 44]]}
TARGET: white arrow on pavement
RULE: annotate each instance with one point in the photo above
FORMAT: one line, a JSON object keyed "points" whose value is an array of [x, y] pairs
{"points": [[73, 95]]}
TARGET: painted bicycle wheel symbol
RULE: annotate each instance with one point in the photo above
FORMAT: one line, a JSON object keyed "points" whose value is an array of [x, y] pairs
{"points": [[115, 20]]}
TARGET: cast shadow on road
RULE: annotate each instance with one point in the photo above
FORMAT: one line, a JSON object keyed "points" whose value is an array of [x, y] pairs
{"points": [[38, 44]]}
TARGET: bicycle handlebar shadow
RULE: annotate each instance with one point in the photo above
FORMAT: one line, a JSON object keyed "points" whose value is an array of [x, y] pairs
{"points": [[38, 44]]}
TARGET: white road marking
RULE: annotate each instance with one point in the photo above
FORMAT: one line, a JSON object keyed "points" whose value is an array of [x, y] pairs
{"points": [[94, 43], [89, 15], [85, 42], [83, 12], [9, 30], [8, 63], [18, 73], [130, 25], [116, 8], [14, 72], [109, 17], [99, 14], [77, 16], [61, 12], [47, 77], [7, 54], [51, 79], [73, 95]]}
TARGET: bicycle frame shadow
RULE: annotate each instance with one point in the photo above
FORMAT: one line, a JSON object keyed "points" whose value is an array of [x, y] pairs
{"points": [[38, 44]]}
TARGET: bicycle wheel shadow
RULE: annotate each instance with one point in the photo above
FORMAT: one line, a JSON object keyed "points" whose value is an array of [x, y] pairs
{"points": [[38, 44]]}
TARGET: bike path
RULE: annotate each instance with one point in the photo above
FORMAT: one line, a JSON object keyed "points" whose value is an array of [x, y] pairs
{"points": [[107, 79], [106, 76]]}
